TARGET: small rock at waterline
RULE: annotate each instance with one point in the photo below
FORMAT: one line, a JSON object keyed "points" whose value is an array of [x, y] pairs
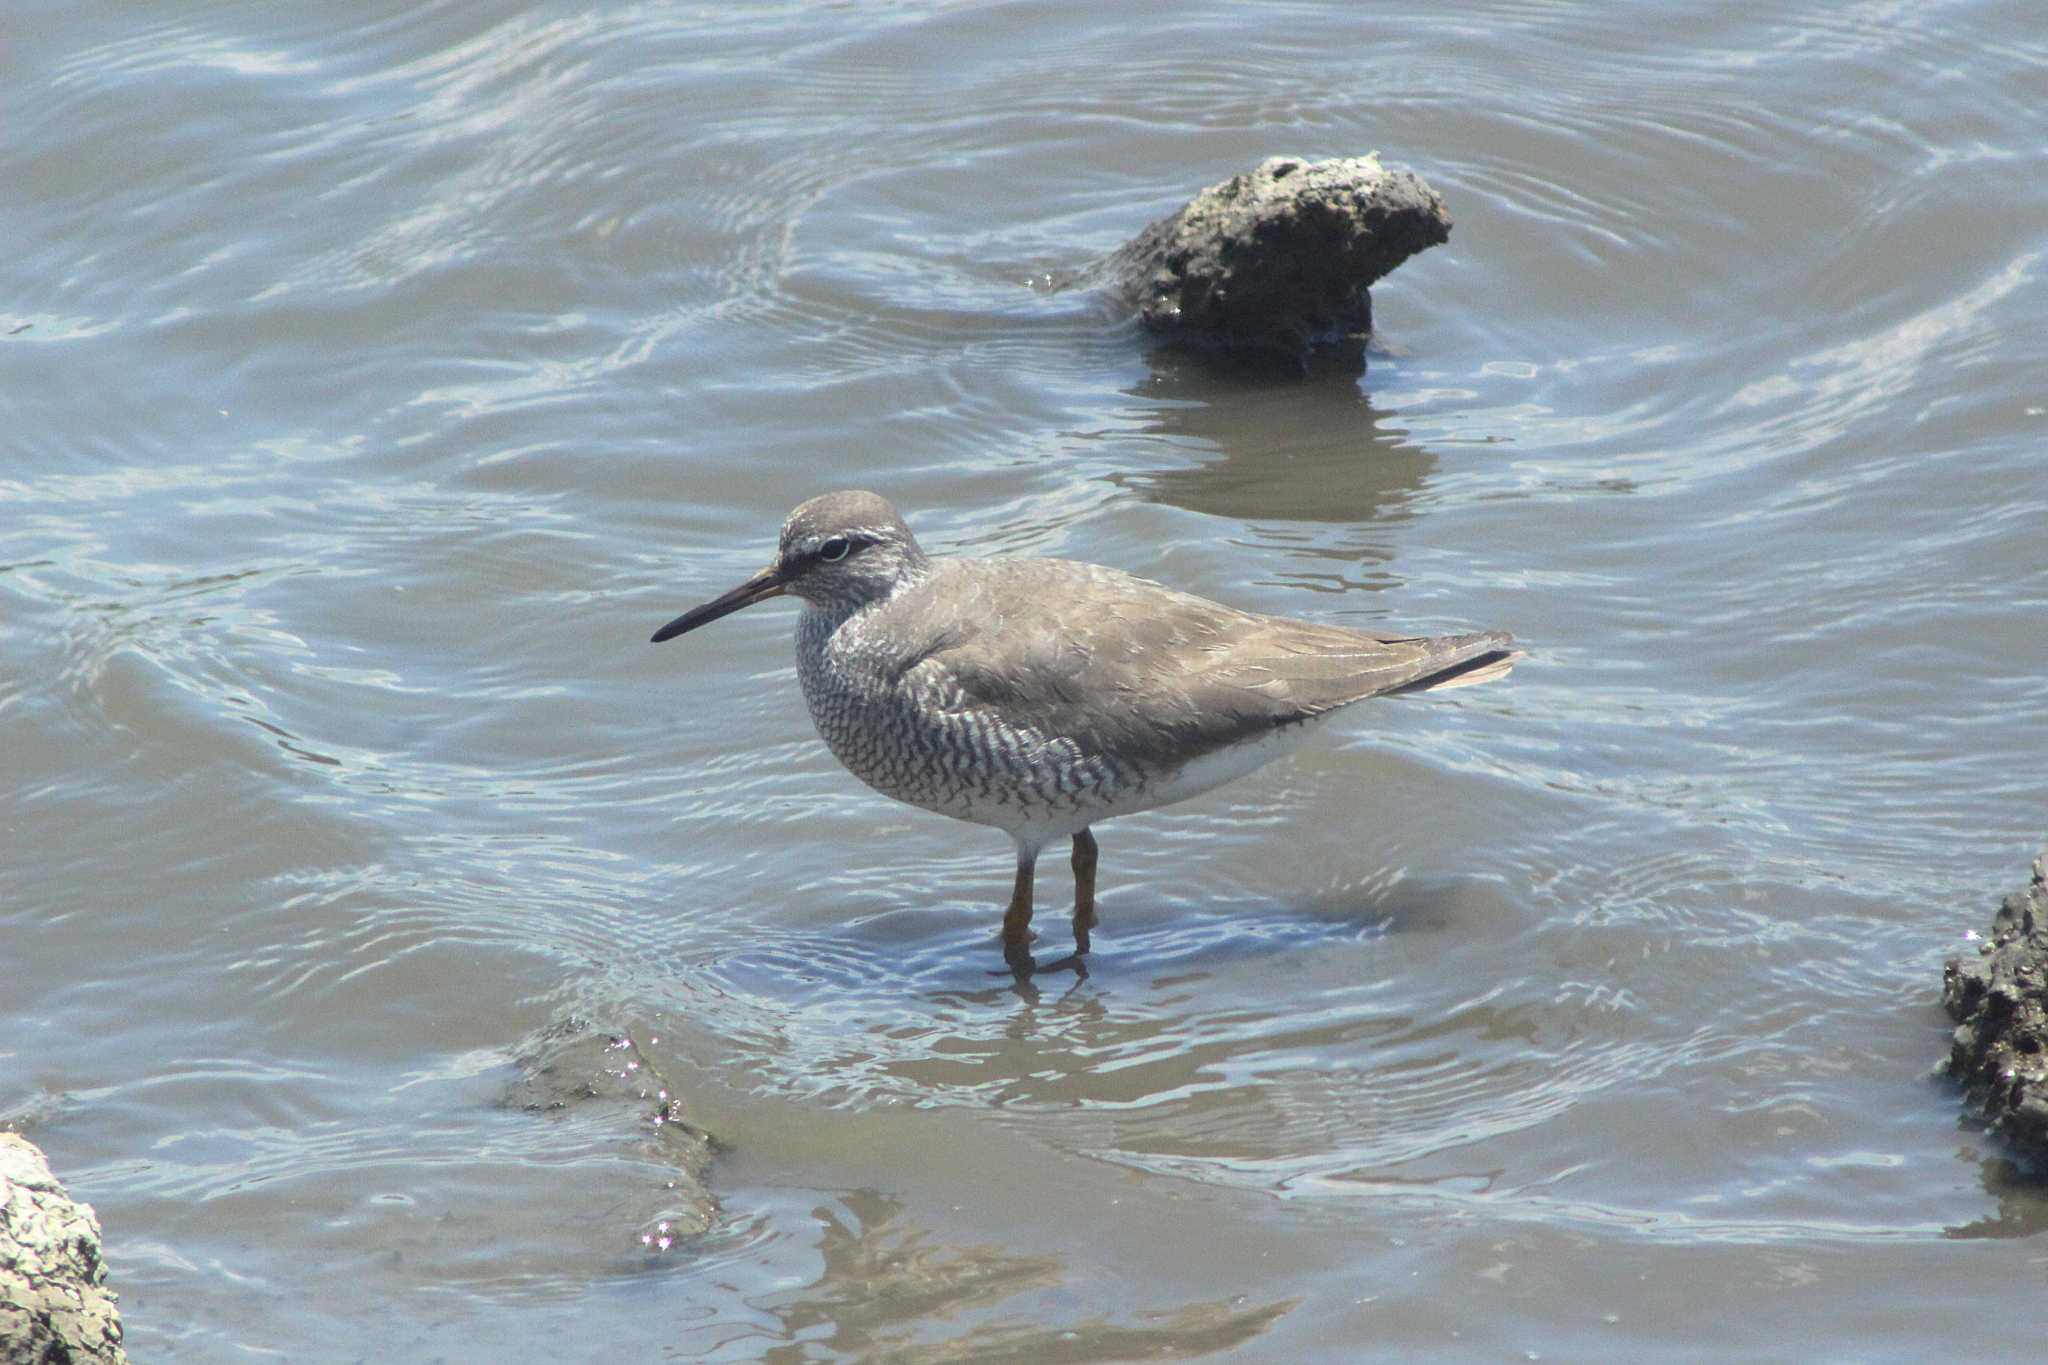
{"points": [[1998, 997], [1279, 259], [54, 1300]]}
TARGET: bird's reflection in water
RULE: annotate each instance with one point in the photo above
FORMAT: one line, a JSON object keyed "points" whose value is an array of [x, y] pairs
{"points": [[1024, 968]]}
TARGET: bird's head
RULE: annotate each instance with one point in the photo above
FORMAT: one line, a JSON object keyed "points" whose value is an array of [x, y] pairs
{"points": [[839, 551]]}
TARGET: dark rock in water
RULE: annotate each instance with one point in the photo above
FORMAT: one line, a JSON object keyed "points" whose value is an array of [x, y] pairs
{"points": [[1277, 260], [1999, 1000], [54, 1301], [629, 1120]]}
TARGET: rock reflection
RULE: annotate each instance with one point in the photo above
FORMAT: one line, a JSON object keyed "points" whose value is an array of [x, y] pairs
{"points": [[885, 1285], [1313, 451], [2022, 1202]]}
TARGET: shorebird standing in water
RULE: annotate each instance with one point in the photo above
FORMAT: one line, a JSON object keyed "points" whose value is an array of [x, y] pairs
{"points": [[1042, 695]]}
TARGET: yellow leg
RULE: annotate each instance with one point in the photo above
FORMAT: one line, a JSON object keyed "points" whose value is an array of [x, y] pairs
{"points": [[1084, 889], [1017, 919]]}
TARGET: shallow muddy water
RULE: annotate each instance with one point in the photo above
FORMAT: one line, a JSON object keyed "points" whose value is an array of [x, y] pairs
{"points": [[378, 378]]}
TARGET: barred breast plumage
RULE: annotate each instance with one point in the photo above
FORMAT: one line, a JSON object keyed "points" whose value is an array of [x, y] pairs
{"points": [[893, 710]]}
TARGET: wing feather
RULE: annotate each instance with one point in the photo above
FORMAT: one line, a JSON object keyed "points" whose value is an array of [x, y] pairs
{"points": [[1125, 666]]}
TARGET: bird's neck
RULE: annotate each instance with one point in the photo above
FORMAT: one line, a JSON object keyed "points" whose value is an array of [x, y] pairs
{"points": [[822, 617]]}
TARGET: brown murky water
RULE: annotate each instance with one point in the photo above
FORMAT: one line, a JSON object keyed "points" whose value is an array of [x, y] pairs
{"points": [[377, 379]]}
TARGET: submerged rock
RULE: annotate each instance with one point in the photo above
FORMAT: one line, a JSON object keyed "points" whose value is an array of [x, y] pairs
{"points": [[54, 1302], [1999, 1000], [1277, 260], [639, 1131]]}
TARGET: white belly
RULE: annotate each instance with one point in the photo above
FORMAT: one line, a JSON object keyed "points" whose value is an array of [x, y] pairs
{"points": [[1225, 765], [1195, 777]]}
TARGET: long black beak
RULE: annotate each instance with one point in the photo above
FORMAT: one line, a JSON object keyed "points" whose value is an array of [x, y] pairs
{"points": [[762, 586]]}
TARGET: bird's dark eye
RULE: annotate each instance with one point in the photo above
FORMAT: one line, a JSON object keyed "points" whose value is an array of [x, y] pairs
{"points": [[834, 550]]}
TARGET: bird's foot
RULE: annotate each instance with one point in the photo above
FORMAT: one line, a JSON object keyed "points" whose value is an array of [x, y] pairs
{"points": [[1023, 966], [1084, 920], [1017, 940]]}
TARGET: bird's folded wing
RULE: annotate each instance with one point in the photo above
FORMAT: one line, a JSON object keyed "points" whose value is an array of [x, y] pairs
{"points": [[1124, 666]]}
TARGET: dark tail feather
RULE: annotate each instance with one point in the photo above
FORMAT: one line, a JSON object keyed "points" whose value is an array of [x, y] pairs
{"points": [[1472, 659]]}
